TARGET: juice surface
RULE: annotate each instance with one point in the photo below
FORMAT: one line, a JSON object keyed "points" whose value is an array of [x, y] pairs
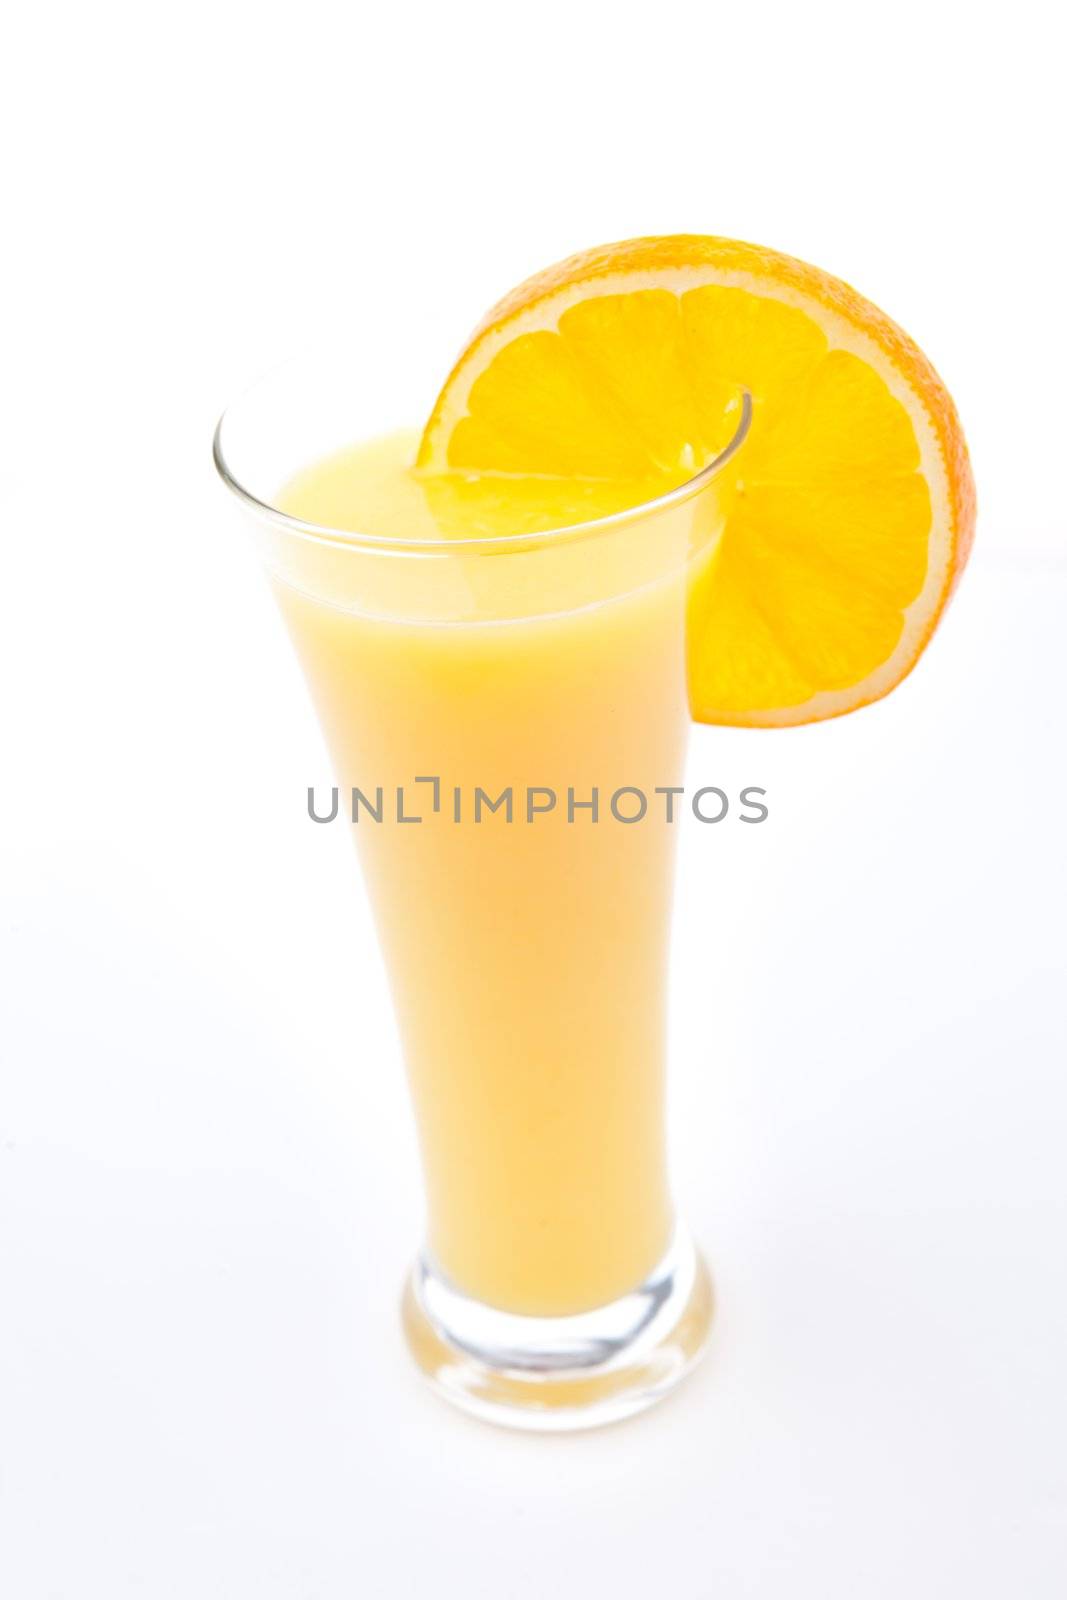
{"points": [[370, 488], [527, 958]]}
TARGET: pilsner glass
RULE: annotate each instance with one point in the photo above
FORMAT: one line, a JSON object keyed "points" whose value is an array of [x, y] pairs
{"points": [[524, 696]]}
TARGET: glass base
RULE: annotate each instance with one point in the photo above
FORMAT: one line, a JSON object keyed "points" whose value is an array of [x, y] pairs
{"points": [[556, 1374]]}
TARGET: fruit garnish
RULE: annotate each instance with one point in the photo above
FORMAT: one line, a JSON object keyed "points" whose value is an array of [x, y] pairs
{"points": [[852, 510]]}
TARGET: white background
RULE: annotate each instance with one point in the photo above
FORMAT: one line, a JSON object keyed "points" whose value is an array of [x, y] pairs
{"points": [[207, 1174]]}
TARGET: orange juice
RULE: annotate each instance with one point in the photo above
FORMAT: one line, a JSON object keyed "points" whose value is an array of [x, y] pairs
{"points": [[527, 956]]}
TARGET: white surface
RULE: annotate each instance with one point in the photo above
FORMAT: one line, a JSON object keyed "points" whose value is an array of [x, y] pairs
{"points": [[208, 1188]]}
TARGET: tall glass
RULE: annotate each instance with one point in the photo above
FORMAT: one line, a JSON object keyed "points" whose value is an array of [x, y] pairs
{"points": [[507, 717]]}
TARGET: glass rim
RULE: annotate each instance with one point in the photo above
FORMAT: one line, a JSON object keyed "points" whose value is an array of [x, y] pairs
{"points": [[488, 543]]}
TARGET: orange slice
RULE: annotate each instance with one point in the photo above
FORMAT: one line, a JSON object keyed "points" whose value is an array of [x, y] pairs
{"points": [[853, 508]]}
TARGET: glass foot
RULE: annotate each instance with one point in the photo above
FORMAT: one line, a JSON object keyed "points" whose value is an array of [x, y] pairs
{"points": [[555, 1374]]}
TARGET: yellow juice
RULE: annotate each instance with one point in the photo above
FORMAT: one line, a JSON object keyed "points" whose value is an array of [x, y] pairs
{"points": [[527, 957]]}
